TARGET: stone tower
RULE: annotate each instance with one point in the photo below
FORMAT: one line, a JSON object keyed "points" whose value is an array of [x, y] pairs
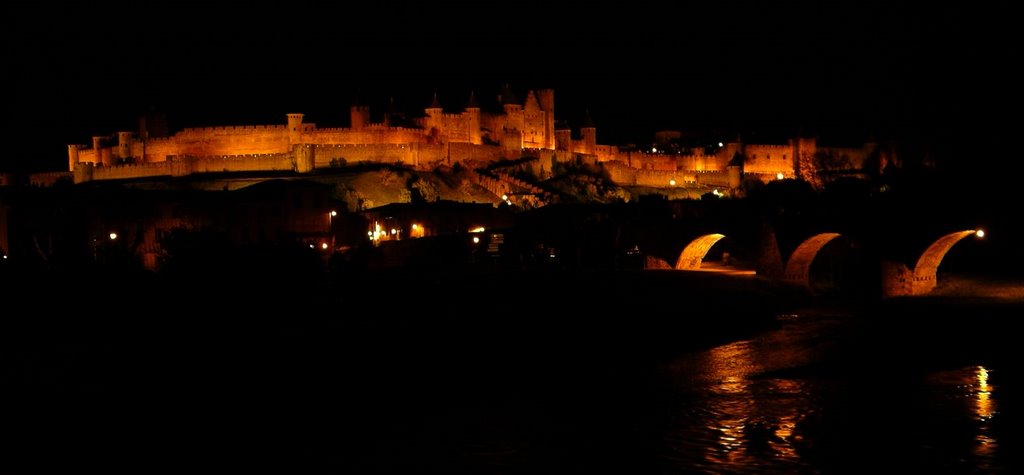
{"points": [[547, 104], [473, 122], [359, 116], [434, 112], [97, 148], [588, 133], [124, 145], [563, 137], [294, 129]]}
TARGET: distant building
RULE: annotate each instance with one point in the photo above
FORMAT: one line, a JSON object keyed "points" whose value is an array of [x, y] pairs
{"points": [[520, 129]]}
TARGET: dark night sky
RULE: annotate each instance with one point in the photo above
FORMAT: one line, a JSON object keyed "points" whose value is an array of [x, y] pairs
{"points": [[885, 69]]}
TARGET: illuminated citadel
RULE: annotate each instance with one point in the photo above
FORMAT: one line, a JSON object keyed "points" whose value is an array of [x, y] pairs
{"points": [[521, 129]]}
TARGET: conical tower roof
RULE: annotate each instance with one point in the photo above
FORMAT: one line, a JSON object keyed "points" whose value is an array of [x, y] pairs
{"points": [[506, 97], [588, 122], [471, 103]]}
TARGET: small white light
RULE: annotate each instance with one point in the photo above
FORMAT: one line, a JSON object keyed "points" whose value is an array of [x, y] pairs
{"points": [[323, 246], [476, 240], [654, 149], [394, 231], [311, 246], [980, 233], [334, 213], [504, 197], [779, 176], [113, 236], [720, 144], [672, 183], [5, 256]]}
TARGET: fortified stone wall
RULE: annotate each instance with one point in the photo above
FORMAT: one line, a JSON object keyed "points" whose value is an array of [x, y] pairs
{"points": [[371, 135], [232, 140], [447, 138], [265, 162], [769, 159], [406, 154], [139, 170], [48, 178], [461, 152], [156, 150]]}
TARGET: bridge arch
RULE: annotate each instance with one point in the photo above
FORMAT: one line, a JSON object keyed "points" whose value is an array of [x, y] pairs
{"points": [[798, 267], [928, 264], [693, 254]]}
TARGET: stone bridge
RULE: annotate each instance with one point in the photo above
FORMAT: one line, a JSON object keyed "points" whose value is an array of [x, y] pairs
{"points": [[898, 279]]}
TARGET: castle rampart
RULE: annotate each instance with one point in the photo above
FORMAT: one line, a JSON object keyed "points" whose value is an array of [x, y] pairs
{"points": [[443, 138]]}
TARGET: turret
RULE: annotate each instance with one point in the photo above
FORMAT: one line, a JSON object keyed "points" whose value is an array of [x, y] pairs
{"points": [[509, 102], [732, 154], [514, 122], [305, 157], [391, 114], [434, 112], [97, 149], [72, 156], [294, 129], [563, 137], [359, 116], [82, 173], [546, 97], [473, 113], [124, 145], [531, 104], [588, 133]]}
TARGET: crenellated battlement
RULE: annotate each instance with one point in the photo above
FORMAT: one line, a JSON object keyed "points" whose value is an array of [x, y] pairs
{"points": [[442, 138], [231, 129]]}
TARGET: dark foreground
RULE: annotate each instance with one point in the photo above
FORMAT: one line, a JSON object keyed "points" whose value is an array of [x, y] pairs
{"points": [[657, 372]]}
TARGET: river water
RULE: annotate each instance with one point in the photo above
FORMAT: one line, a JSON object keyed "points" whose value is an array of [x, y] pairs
{"points": [[893, 388], [921, 386], [821, 394]]}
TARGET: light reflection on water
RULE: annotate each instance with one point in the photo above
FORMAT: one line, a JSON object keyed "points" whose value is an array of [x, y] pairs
{"points": [[752, 406], [740, 418], [970, 388]]}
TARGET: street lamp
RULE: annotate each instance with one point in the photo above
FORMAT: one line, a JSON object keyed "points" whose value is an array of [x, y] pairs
{"points": [[330, 227]]}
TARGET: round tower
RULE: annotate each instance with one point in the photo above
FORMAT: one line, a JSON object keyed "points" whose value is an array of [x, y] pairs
{"points": [[97, 150], [735, 175], [72, 156], [294, 129], [434, 112], [563, 137], [513, 109], [124, 145], [473, 113], [588, 133], [359, 116], [305, 157], [547, 104], [82, 173]]}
